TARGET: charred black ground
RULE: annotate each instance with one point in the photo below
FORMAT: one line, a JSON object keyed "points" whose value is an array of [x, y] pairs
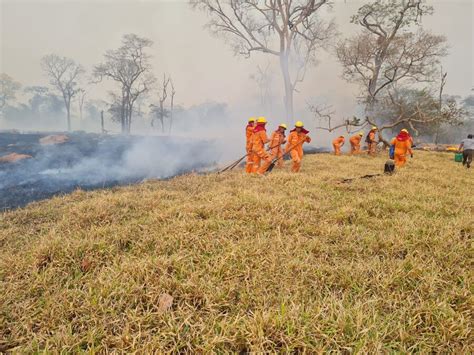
{"points": [[90, 161]]}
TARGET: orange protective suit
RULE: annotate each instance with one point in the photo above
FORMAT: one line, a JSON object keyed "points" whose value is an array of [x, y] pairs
{"points": [[337, 144], [276, 140], [355, 144], [248, 147], [297, 140], [259, 139], [372, 144], [402, 143]]}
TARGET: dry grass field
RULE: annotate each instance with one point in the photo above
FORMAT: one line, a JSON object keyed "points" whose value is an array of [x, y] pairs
{"points": [[281, 263]]}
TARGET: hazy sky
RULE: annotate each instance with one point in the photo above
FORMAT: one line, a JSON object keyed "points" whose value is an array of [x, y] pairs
{"points": [[202, 66]]}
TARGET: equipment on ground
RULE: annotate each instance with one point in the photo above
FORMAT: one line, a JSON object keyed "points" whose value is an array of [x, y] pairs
{"points": [[369, 176], [389, 167]]}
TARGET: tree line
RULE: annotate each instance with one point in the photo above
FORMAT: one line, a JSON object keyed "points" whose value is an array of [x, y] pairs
{"points": [[393, 61], [391, 58], [128, 67]]}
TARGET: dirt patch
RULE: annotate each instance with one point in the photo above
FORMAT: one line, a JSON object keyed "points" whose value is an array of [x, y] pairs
{"points": [[54, 139], [14, 157]]}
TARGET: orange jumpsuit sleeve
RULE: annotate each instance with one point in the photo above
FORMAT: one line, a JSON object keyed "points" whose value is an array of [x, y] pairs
{"points": [[281, 139], [355, 140], [274, 140], [262, 135], [292, 140], [249, 134], [265, 138]]}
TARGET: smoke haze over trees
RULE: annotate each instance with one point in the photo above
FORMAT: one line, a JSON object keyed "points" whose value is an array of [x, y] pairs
{"points": [[289, 30], [130, 67], [63, 74], [256, 92], [390, 59]]}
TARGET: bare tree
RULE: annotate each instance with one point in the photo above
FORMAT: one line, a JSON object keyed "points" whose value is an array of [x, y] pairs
{"points": [[440, 103], [159, 111], [130, 67], [325, 115], [291, 30], [8, 89], [263, 78], [417, 109], [81, 98], [63, 74], [173, 93], [387, 52]]}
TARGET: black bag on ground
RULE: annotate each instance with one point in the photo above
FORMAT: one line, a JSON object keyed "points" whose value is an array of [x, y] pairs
{"points": [[389, 167]]}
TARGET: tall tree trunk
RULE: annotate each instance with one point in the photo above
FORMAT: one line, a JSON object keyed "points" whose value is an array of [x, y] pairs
{"points": [[171, 114], [162, 117], [440, 104], [438, 127], [122, 115], [129, 126], [68, 110], [369, 112], [102, 121], [288, 86], [67, 104], [370, 104]]}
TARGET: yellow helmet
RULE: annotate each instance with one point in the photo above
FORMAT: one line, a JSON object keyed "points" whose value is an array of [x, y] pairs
{"points": [[374, 127], [361, 133], [262, 120], [404, 130], [299, 124], [282, 125], [252, 119]]}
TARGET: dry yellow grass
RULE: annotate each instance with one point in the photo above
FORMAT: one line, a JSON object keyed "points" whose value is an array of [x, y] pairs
{"points": [[280, 263]]}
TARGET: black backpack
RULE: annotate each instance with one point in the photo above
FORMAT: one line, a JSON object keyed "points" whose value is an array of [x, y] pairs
{"points": [[389, 167]]}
